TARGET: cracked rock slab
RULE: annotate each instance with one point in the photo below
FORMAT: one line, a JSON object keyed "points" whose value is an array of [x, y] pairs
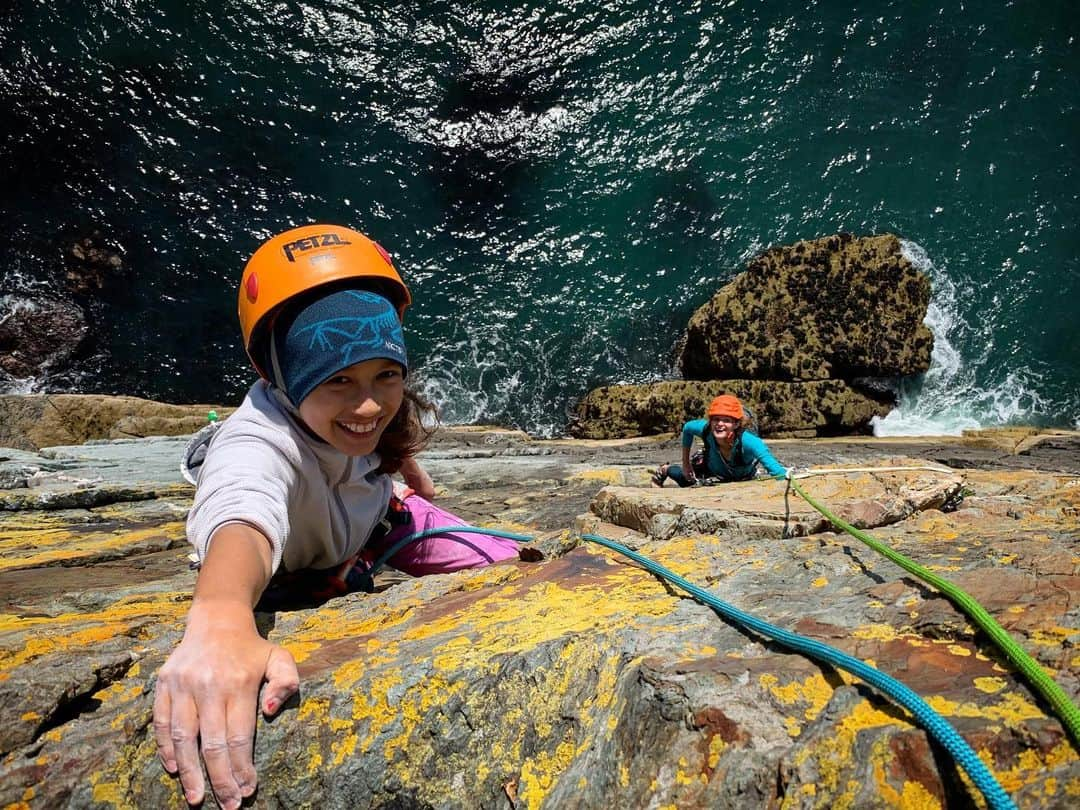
{"points": [[765, 508]]}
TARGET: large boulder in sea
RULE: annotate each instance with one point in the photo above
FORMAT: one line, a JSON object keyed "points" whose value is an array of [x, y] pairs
{"points": [[834, 308], [819, 408], [580, 680], [812, 336]]}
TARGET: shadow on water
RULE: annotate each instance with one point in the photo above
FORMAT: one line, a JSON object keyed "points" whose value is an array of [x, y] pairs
{"points": [[680, 204], [474, 181], [496, 92], [490, 158]]}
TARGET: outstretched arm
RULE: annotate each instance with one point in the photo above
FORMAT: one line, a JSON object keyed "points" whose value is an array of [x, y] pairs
{"points": [[207, 690], [756, 448], [417, 479], [687, 467], [693, 428]]}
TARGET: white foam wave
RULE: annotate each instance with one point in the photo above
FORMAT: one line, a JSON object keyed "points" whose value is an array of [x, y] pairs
{"points": [[480, 380], [9, 306], [948, 399], [18, 385]]}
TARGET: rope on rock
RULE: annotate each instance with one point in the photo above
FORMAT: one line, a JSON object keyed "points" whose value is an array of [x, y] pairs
{"points": [[1066, 711], [905, 468], [965, 757]]}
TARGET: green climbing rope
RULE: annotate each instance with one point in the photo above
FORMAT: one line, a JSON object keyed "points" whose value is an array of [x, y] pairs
{"points": [[1068, 713]]}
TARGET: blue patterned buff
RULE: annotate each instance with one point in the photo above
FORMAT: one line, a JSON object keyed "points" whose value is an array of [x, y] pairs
{"points": [[333, 333]]}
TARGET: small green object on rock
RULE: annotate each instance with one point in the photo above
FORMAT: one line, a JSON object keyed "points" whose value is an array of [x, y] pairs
{"points": [[212, 416]]}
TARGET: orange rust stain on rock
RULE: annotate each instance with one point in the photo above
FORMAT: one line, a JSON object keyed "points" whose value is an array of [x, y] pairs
{"points": [[718, 728], [912, 758]]}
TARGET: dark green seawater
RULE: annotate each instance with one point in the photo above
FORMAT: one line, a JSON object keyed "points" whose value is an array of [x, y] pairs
{"points": [[561, 184]]}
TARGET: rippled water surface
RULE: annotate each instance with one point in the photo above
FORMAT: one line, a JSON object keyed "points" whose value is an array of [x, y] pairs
{"points": [[561, 186]]}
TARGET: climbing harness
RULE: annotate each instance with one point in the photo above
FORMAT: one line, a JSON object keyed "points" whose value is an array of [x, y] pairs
{"points": [[1066, 711]]}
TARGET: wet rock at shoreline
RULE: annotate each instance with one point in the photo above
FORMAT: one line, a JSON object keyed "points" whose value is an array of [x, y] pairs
{"points": [[813, 336], [38, 335]]}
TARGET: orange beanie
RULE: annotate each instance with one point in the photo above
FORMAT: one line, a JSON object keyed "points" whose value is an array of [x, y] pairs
{"points": [[726, 405]]}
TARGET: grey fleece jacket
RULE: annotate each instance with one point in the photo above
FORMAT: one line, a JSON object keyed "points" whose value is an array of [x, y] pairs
{"points": [[316, 505]]}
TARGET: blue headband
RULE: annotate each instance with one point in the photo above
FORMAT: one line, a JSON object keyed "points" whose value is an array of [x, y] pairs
{"points": [[333, 333]]}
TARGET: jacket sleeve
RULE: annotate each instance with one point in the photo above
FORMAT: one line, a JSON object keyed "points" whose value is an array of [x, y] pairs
{"points": [[695, 427], [246, 478], [755, 448]]}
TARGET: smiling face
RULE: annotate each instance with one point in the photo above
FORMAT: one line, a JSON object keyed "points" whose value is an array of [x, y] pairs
{"points": [[723, 428], [352, 408]]}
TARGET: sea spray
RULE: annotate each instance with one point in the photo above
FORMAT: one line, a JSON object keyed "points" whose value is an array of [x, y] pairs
{"points": [[949, 399]]}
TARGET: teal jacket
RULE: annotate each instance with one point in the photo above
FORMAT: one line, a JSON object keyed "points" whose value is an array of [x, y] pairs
{"points": [[749, 451]]}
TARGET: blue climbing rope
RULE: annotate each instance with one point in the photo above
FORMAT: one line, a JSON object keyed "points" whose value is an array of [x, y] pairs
{"points": [[944, 733], [936, 726], [384, 558]]}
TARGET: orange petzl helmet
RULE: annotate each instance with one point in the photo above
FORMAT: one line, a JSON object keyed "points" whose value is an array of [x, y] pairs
{"points": [[301, 259], [726, 405]]}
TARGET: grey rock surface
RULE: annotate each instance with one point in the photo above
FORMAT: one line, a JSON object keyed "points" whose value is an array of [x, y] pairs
{"points": [[580, 679]]}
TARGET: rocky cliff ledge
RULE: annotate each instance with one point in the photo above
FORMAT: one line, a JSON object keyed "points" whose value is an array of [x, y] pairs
{"points": [[580, 680]]}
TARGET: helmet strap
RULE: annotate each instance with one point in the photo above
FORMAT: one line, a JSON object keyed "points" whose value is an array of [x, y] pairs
{"points": [[275, 365]]}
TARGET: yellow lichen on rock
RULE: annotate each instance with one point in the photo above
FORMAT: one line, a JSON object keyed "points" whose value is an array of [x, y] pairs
{"points": [[717, 746], [107, 792], [814, 692], [990, 684], [911, 796], [1012, 709], [300, 650], [315, 713], [611, 476], [79, 631], [375, 708], [64, 546], [1051, 636], [876, 632], [1030, 764], [832, 754], [538, 774], [505, 620]]}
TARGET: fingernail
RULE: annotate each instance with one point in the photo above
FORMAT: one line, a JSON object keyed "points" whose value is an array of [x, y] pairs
{"points": [[271, 706]]}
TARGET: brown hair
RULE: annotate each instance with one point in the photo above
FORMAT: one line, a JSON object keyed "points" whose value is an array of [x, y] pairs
{"points": [[406, 435]]}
